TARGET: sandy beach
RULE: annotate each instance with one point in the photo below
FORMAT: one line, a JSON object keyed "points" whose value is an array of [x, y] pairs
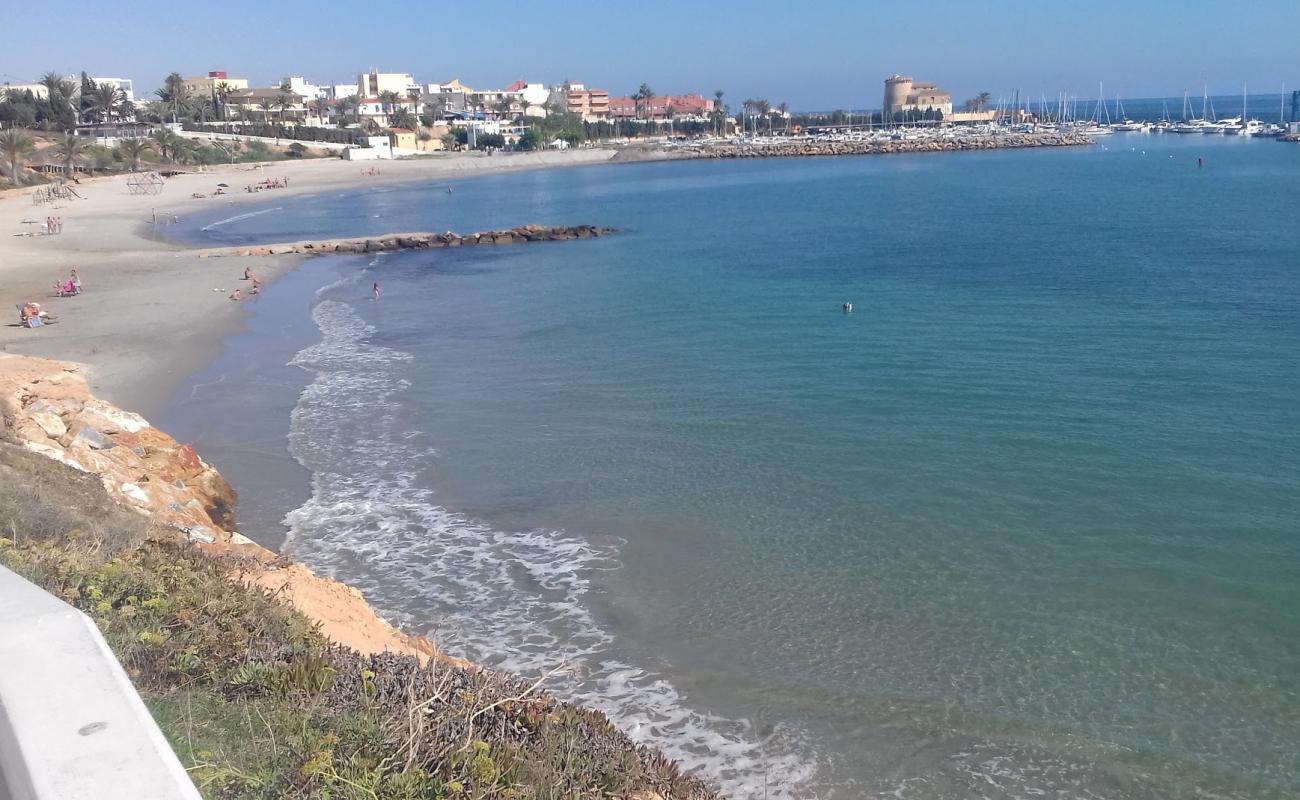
{"points": [[149, 315]]}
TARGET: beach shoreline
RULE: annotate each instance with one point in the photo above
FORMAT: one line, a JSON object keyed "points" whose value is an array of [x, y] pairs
{"points": [[153, 313]]}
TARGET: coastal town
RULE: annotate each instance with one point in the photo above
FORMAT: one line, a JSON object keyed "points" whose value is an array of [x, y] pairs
{"points": [[88, 123], [503, 433]]}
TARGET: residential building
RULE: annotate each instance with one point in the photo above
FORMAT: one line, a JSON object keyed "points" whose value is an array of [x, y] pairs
{"points": [[264, 104], [36, 89], [532, 97], [40, 91], [373, 84], [902, 94], [590, 104], [300, 85], [338, 91], [402, 138], [202, 86], [374, 110], [686, 106]]}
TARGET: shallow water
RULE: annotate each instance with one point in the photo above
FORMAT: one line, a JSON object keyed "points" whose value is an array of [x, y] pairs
{"points": [[1024, 524]]}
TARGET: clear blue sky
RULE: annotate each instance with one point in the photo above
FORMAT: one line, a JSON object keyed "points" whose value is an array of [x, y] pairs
{"points": [[817, 54]]}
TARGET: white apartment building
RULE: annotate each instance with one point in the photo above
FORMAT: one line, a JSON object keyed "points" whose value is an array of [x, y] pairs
{"points": [[304, 87], [373, 84]]}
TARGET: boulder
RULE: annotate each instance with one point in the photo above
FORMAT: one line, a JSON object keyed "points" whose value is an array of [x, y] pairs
{"points": [[109, 419], [93, 439], [189, 460], [49, 422]]}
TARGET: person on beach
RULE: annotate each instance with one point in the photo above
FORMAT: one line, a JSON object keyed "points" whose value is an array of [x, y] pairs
{"points": [[235, 295], [75, 280], [375, 289], [248, 274]]}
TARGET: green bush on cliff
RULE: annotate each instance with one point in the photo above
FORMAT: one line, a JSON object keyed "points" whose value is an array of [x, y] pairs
{"points": [[258, 705]]}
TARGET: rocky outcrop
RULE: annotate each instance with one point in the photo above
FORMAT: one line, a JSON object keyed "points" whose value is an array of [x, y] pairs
{"points": [[419, 241], [53, 413], [810, 147], [48, 409]]}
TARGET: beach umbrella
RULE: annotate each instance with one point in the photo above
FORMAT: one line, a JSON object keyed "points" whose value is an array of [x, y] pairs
{"points": [[223, 185]]}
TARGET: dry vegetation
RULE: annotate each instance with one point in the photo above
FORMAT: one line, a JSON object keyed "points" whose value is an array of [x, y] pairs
{"points": [[258, 705]]}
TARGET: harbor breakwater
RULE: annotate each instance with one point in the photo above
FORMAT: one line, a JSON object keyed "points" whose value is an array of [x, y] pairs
{"points": [[811, 147]]}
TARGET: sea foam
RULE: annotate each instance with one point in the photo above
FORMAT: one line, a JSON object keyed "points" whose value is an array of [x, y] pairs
{"points": [[512, 599]]}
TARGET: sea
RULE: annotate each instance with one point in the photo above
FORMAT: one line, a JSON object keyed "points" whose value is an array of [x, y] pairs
{"points": [[1023, 524]]}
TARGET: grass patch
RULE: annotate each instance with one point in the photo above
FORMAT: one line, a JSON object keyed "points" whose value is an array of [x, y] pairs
{"points": [[258, 705]]}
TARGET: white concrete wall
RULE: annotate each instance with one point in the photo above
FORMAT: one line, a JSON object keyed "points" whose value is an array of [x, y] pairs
{"points": [[71, 724], [334, 147]]}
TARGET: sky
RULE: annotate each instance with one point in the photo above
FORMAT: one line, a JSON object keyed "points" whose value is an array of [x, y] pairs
{"points": [[815, 54]]}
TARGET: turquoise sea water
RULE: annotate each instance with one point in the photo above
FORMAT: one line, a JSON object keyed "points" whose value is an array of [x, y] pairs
{"points": [[1025, 524]]}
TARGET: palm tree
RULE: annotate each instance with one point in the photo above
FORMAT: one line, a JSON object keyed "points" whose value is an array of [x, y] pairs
{"points": [[174, 93], [402, 118], [266, 106], [389, 99], [70, 149], [982, 101], [283, 102], [180, 150], [502, 106], [717, 111], [168, 143], [61, 91], [764, 110], [643, 96], [350, 103], [107, 99], [221, 94], [53, 83], [130, 151], [16, 145], [784, 108]]}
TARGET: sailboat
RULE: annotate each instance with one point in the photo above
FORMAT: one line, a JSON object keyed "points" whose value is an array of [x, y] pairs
{"points": [[1190, 125], [1128, 125], [1097, 128]]}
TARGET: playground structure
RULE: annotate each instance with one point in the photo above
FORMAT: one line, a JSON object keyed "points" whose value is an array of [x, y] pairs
{"points": [[144, 183], [53, 193]]}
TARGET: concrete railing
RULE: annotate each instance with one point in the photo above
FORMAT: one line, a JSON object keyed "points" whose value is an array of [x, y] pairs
{"points": [[71, 724]]}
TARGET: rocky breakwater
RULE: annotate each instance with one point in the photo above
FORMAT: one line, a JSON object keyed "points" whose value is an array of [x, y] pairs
{"points": [[809, 147], [48, 409], [419, 241]]}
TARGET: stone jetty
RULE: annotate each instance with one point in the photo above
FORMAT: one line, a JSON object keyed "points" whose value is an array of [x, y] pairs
{"points": [[854, 147], [418, 241]]}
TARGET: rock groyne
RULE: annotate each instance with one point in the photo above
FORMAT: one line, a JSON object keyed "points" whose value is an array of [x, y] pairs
{"points": [[419, 241]]}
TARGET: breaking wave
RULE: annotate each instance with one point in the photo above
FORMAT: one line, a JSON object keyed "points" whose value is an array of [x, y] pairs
{"points": [[511, 599]]}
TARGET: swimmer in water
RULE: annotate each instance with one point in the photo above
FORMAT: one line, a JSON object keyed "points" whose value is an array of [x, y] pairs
{"points": [[848, 308], [375, 290]]}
